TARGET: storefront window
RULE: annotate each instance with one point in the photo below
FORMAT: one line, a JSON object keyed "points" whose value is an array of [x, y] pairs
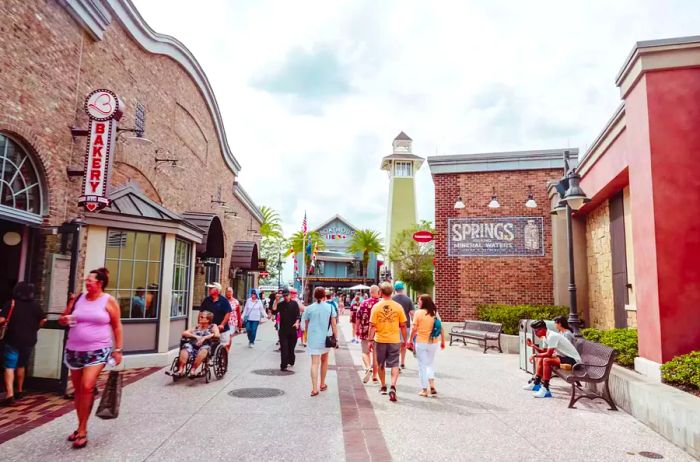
{"points": [[19, 182], [134, 263], [181, 279], [212, 270]]}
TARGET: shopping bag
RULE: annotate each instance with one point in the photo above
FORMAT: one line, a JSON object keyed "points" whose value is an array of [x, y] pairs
{"points": [[111, 397]]}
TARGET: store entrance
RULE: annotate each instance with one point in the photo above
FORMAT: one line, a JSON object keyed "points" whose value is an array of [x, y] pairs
{"points": [[11, 235]]}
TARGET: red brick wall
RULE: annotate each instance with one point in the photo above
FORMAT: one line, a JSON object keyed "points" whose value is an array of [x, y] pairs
{"points": [[49, 64], [463, 283]]}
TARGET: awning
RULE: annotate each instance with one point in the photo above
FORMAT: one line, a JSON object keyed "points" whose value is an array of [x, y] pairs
{"points": [[244, 256], [213, 242]]}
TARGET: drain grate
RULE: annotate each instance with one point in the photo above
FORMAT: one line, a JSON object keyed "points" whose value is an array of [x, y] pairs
{"points": [[256, 392], [271, 372], [650, 455]]}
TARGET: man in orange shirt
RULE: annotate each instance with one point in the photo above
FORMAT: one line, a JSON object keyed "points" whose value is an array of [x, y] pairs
{"points": [[386, 322]]}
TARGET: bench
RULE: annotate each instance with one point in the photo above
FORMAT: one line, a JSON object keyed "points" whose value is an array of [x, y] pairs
{"points": [[595, 366], [480, 331]]}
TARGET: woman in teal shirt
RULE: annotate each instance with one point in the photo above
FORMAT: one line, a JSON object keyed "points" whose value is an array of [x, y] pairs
{"points": [[316, 319]]}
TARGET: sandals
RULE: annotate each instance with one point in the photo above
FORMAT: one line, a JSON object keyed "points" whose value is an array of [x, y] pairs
{"points": [[423, 393], [433, 391], [314, 393], [324, 388], [73, 436], [77, 445]]}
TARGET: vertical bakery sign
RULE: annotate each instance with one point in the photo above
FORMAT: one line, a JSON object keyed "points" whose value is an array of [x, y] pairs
{"points": [[104, 108]]}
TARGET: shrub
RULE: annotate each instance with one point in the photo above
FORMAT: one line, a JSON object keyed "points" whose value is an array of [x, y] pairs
{"points": [[683, 370], [624, 341], [510, 315]]}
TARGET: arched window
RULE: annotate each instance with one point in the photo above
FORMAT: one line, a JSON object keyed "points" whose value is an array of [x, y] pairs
{"points": [[20, 187]]}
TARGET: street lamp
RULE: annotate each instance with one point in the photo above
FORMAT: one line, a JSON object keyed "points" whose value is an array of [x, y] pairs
{"points": [[572, 198]]}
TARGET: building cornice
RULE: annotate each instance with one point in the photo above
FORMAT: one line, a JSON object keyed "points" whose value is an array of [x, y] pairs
{"points": [[651, 55], [337, 216], [94, 16], [245, 199], [613, 129], [501, 161]]}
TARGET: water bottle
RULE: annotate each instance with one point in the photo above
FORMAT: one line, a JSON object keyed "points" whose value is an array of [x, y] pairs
{"points": [[111, 362]]}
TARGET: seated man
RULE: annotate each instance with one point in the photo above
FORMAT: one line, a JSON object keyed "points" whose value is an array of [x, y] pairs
{"points": [[199, 343], [559, 351]]}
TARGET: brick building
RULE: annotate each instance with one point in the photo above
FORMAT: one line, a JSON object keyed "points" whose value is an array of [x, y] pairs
{"points": [[493, 264], [178, 217]]}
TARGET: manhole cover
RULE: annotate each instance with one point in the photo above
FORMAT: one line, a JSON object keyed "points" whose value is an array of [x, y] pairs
{"points": [[272, 372], [256, 392], [650, 455]]}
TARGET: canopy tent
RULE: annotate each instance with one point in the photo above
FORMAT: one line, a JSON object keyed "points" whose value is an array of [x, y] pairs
{"points": [[359, 287]]}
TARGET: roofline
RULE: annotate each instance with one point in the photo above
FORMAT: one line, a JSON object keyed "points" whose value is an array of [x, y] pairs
{"points": [[339, 217], [246, 200], [653, 44], [502, 161], [95, 19], [418, 163], [602, 141]]}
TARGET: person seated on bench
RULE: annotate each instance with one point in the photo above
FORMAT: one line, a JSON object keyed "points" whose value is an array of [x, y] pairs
{"points": [[199, 344], [559, 351], [562, 326]]}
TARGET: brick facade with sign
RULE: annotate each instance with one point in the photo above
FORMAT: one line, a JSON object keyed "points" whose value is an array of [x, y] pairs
{"points": [[464, 282]]}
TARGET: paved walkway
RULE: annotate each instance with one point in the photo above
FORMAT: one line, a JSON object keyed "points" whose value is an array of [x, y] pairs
{"points": [[482, 415]]}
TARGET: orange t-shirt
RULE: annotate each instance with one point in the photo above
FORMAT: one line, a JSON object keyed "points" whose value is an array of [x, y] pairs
{"points": [[387, 317], [423, 326]]}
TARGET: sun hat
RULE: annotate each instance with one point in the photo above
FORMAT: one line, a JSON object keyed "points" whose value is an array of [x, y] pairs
{"points": [[215, 285]]}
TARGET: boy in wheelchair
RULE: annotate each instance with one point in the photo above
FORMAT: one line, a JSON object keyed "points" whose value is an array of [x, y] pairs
{"points": [[196, 345]]}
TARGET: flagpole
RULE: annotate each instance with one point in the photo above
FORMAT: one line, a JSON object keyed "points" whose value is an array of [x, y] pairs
{"points": [[303, 259]]}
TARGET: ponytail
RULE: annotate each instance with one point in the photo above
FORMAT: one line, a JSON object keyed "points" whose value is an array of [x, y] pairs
{"points": [[102, 275]]}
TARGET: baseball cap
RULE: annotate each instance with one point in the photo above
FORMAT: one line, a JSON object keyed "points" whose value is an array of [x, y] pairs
{"points": [[216, 285], [399, 285], [540, 324], [285, 291]]}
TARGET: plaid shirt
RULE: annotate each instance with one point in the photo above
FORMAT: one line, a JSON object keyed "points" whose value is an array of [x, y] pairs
{"points": [[363, 315]]}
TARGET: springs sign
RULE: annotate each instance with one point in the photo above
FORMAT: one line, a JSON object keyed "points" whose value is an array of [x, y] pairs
{"points": [[495, 237]]}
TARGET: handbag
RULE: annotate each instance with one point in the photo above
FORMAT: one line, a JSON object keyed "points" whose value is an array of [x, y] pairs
{"points": [[437, 328], [111, 397], [3, 328], [331, 341]]}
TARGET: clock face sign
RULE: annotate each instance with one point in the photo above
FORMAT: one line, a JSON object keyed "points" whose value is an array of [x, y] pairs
{"points": [[103, 105]]}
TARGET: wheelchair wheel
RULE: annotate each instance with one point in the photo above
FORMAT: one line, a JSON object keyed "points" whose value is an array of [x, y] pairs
{"points": [[220, 362], [207, 374], [173, 369]]}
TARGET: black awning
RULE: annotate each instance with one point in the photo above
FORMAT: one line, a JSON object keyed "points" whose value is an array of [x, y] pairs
{"points": [[213, 242], [244, 255]]}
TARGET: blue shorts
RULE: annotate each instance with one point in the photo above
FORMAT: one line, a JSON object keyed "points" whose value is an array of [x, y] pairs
{"points": [[16, 357], [76, 360]]}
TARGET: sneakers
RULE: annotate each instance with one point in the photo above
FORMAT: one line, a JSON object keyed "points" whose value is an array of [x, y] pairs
{"points": [[392, 394], [542, 393], [383, 390], [368, 374], [532, 386]]}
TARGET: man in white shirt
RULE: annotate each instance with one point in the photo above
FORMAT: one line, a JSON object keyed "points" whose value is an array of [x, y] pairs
{"points": [[559, 351]]}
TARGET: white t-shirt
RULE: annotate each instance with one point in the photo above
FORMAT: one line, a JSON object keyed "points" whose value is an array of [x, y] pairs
{"points": [[563, 346]]}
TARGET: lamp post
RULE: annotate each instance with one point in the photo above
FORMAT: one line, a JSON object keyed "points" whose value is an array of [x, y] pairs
{"points": [[279, 268], [572, 198]]}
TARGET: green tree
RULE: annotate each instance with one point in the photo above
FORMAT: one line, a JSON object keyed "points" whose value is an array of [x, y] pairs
{"points": [[365, 241], [295, 244], [413, 261], [272, 249], [272, 224]]}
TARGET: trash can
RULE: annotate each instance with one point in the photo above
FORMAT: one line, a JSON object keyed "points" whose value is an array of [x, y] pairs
{"points": [[525, 332]]}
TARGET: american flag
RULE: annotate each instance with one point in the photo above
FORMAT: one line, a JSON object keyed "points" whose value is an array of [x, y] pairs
{"points": [[303, 225]]}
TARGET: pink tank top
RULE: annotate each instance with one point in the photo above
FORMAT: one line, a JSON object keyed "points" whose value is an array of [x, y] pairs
{"points": [[93, 330]]}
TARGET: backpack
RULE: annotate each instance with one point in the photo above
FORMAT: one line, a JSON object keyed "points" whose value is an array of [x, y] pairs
{"points": [[437, 328]]}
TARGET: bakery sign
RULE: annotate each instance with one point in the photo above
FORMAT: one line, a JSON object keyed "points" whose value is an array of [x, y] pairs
{"points": [[104, 109], [495, 237]]}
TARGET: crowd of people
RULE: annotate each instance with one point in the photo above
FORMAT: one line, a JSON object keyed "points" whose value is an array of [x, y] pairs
{"points": [[383, 321]]}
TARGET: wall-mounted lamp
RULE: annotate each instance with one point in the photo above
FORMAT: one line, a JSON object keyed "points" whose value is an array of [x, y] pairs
{"points": [[459, 204], [531, 204], [233, 215], [494, 201], [138, 135]]}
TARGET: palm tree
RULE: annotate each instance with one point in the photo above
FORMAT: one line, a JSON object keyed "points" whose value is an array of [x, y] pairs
{"points": [[297, 241], [271, 225], [365, 241]]}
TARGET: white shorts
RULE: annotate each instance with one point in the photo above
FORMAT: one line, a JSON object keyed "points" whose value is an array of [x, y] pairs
{"points": [[225, 337]]}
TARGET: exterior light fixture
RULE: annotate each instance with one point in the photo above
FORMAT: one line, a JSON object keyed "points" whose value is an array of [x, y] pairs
{"points": [[574, 195], [459, 204], [11, 238], [559, 209], [494, 202], [531, 204]]}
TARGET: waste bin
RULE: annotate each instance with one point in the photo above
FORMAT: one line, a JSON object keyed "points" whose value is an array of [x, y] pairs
{"points": [[525, 332]]}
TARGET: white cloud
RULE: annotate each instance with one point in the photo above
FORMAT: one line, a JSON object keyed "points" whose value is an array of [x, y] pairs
{"points": [[457, 76]]}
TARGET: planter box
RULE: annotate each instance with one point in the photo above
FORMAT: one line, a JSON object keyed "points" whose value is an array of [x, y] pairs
{"points": [[670, 412]]}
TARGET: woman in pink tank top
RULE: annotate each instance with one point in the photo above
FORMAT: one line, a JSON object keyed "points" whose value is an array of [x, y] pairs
{"points": [[95, 334]]}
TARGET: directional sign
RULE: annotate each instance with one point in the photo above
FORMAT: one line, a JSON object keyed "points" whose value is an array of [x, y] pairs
{"points": [[423, 236]]}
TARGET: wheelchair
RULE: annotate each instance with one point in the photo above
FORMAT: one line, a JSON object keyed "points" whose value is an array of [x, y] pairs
{"points": [[216, 362]]}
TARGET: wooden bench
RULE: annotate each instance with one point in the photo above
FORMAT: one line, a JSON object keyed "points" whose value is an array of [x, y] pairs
{"points": [[480, 331], [595, 366]]}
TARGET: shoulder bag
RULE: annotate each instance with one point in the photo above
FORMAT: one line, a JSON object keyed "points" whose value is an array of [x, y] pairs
{"points": [[331, 341], [3, 328], [437, 328]]}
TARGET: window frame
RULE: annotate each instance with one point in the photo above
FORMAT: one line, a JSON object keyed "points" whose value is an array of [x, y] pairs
{"points": [[35, 190], [186, 292], [114, 289], [403, 169]]}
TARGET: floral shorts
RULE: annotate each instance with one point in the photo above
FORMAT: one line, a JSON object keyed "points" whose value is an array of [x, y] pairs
{"points": [[76, 360]]}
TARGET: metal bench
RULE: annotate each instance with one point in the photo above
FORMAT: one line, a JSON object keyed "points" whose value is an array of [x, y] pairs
{"points": [[480, 331], [595, 366]]}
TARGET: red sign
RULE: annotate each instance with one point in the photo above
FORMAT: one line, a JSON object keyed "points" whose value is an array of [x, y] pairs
{"points": [[264, 274], [104, 109], [423, 236]]}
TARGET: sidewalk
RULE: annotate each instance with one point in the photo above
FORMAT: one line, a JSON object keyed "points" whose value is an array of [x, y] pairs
{"points": [[482, 415]]}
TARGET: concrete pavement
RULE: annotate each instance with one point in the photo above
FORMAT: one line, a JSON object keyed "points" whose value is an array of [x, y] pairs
{"points": [[482, 414]]}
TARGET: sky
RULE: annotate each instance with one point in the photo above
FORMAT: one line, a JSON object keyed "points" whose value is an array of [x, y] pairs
{"points": [[312, 93]]}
